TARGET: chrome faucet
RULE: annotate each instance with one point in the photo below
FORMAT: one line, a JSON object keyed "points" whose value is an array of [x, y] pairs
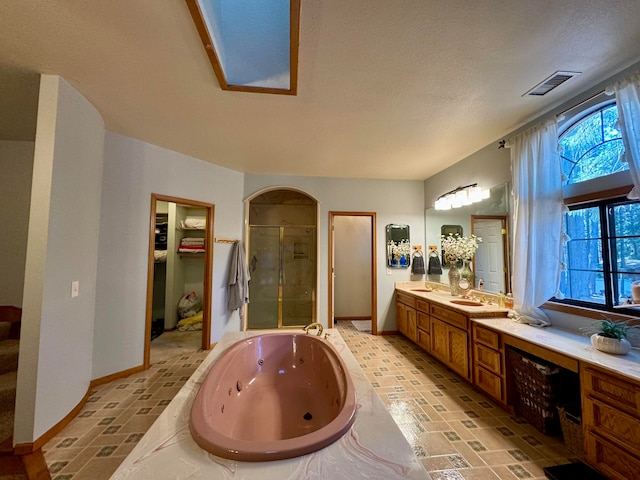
{"points": [[314, 325]]}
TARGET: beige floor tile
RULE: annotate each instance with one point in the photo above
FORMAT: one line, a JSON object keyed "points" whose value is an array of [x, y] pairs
{"points": [[478, 473], [78, 462], [61, 454], [463, 432], [497, 457], [437, 462], [139, 423], [446, 475], [124, 449], [451, 415], [535, 467], [99, 468], [125, 415], [492, 439], [102, 440], [469, 454], [436, 443], [504, 473], [90, 436]]}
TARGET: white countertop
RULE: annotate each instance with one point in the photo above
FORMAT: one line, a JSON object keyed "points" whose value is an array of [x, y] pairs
{"points": [[374, 447], [568, 343], [445, 298]]}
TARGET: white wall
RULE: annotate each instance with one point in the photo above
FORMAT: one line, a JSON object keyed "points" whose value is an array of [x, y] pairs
{"points": [[488, 168], [352, 259], [491, 166], [56, 346], [394, 201], [133, 170], [16, 168]]}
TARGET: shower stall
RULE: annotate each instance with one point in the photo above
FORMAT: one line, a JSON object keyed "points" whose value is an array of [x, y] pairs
{"points": [[282, 260]]}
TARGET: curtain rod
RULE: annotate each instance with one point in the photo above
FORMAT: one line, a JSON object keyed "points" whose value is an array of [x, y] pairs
{"points": [[501, 143]]}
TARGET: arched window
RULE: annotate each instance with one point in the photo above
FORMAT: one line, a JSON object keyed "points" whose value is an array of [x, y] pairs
{"points": [[591, 146], [602, 257]]}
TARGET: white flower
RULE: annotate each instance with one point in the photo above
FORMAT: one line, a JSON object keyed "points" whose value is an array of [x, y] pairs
{"points": [[459, 248]]}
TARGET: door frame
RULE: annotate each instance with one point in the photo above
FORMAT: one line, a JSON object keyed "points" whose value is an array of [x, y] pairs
{"points": [[208, 268], [505, 244], [374, 282], [247, 232]]}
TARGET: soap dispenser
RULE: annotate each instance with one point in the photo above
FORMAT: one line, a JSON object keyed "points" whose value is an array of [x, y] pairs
{"points": [[501, 299]]}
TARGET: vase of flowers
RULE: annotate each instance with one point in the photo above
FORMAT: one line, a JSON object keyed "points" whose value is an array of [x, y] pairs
{"points": [[457, 250]]}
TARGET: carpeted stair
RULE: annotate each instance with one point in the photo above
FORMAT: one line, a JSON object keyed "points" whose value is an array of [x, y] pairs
{"points": [[8, 377], [11, 467]]}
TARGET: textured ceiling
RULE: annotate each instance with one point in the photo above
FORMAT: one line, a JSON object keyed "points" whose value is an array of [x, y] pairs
{"points": [[387, 89]]}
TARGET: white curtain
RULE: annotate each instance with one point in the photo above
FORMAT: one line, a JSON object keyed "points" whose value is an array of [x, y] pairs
{"points": [[538, 219], [627, 93]]}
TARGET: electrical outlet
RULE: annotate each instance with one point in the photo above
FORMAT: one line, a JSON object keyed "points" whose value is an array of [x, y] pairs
{"points": [[75, 289]]}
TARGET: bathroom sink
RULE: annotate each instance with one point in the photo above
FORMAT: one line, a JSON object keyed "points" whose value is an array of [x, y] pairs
{"points": [[466, 303], [421, 290]]}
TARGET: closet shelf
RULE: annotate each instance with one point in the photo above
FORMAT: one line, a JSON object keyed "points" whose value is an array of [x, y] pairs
{"points": [[191, 255]]}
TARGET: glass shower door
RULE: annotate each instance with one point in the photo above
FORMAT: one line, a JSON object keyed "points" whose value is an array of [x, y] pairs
{"points": [[282, 264], [298, 276], [264, 267]]}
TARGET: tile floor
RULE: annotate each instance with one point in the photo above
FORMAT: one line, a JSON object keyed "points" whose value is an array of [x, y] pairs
{"points": [[115, 418], [456, 432]]}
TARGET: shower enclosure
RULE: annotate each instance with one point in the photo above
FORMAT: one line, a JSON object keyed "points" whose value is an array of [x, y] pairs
{"points": [[282, 260]]}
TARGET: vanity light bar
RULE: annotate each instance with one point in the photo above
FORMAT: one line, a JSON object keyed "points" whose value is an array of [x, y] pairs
{"points": [[461, 196]]}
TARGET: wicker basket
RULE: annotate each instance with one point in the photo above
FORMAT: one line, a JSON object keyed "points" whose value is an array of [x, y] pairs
{"points": [[538, 385], [572, 431]]}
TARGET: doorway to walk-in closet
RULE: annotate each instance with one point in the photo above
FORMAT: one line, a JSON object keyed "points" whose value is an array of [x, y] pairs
{"points": [[282, 256], [178, 317], [352, 270]]}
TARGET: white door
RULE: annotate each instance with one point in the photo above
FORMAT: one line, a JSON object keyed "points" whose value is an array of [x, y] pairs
{"points": [[352, 267], [489, 258]]}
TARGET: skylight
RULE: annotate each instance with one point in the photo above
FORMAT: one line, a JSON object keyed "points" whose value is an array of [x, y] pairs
{"points": [[252, 44]]}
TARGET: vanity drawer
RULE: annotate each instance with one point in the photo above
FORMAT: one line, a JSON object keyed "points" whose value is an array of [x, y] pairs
{"points": [[615, 463], [423, 321], [486, 336], [424, 340], [406, 299], [487, 358], [613, 390], [422, 306], [453, 318], [612, 423], [489, 382]]}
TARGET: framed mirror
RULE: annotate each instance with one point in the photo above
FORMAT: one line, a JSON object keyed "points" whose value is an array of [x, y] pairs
{"points": [[487, 219], [398, 246]]}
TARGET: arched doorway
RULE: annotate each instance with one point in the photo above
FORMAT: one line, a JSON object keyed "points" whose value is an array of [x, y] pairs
{"points": [[282, 257]]}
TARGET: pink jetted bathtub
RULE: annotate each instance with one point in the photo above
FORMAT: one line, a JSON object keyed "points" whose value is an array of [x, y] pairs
{"points": [[273, 396]]}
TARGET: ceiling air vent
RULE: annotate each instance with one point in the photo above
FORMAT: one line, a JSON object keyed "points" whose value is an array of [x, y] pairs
{"points": [[548, 84]]}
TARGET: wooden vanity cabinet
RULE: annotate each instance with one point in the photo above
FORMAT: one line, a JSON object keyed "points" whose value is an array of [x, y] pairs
{"points": [[423, 324], [449, 339], [488, 362], [406, 321], [611, 422]]}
